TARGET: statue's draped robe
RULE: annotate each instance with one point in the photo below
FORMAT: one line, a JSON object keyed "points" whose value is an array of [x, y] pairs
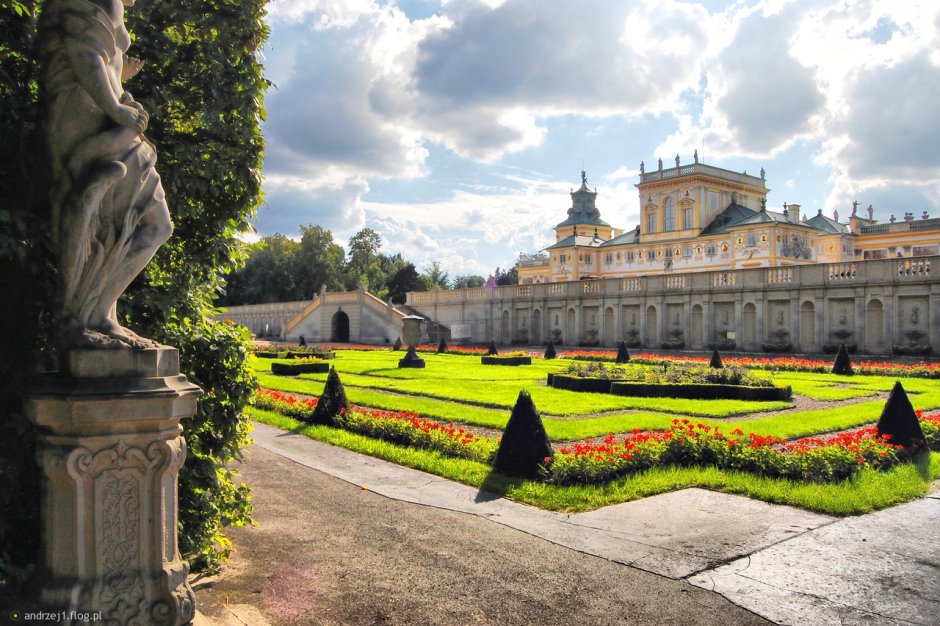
{"points": [[106, 190]]}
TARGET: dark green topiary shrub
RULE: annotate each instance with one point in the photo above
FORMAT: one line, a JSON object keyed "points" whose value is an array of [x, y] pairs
{"points": [[397, 345], [842, 364], [442, 346], [492, 351], [899, 420], [524, 448], [331, 403], [550, 351], [716, 360], [622, 354]]}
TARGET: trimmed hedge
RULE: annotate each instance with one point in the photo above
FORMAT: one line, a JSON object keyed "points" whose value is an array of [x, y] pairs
{"points": [[506, 360], [578, 383], [701, 392], [688, 391], [293, 369], [266, 355]]}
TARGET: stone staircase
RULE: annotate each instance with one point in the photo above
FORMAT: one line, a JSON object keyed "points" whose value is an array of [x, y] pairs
{"points": [[433, 329]]}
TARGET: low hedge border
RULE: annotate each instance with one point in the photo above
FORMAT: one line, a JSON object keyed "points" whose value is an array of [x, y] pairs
{"points": [[701, 392], [293, 369], [687, 391], [506, 360], [578, 383], [266, 355]]}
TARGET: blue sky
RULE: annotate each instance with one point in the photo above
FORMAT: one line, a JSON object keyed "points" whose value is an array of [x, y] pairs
{"points": [[456, 128]]}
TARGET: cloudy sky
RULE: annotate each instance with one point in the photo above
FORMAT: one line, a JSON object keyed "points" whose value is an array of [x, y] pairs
{"points": [[456, 128]]}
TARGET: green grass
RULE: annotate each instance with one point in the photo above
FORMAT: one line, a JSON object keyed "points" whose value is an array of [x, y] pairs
{"points": [[870, 490], [467, 392]]}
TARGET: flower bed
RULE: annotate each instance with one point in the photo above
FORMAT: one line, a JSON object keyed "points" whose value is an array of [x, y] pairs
{"points": [[681, 380], [687, 444], [307, 365], [788, 364], [689, 391], [399, 427]]}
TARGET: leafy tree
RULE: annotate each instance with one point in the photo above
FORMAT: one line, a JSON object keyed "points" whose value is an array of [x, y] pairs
{"points": [[406, 279], [364, 264], [319, 263], [467, 281], [270, 274], [508, 277], [434, 276], [203, 86]]}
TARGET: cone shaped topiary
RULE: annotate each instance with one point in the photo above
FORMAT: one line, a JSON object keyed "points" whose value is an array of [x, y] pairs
{"points": [[524, 446], [397, 345], [622, 355], [441, 346], [716, 360], [842, 364], [492, 349], [332, 401], [899, 420], [550, 350]]}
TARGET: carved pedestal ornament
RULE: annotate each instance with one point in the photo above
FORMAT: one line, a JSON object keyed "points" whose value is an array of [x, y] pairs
{"points": [[110, 444], [110, 450]]}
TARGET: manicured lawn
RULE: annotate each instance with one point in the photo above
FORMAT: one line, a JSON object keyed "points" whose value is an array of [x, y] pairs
{"points": [[459, 389], [868, 491]]}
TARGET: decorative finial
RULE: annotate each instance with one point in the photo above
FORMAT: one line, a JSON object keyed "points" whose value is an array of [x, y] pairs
{"points": [[695, 155], [660, 165], [763, 174], [583, 177], [763, 204], [677, 160], [642, 167]]}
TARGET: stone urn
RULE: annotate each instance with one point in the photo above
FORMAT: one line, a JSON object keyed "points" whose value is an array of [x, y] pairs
{"points": [[411, 333]]}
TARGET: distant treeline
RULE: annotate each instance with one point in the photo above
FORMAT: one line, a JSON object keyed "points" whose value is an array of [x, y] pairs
{"points": [[279, 269]]}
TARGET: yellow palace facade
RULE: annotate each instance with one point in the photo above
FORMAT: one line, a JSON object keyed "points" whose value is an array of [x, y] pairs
{"points": [[698, 217]]}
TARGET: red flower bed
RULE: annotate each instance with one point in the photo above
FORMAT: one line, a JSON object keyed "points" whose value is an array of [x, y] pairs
{"points": [[790, 364], [821, 459], [402, 427]]}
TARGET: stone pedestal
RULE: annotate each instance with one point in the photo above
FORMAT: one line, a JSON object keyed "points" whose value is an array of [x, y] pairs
{"points": [[110, 449]]}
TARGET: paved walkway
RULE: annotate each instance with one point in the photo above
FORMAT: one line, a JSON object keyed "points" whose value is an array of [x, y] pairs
{"points": [[782, 563]]}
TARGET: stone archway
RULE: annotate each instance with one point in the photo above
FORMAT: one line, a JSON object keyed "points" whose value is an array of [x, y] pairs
{"points": [[652, 327], [339, 327], [535, 333], [696, 340], [874, 324], [807, 327], [749, 326]]}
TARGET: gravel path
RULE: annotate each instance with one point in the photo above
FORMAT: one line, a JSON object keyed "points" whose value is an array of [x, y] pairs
{"points": [[326, 552]]}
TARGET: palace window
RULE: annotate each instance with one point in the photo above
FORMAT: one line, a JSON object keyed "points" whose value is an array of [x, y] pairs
{"points": [[587, 258], [687, 219], [687, 251], [670, 209], [609, 259], [651, 255], [710, 250], [631, 256], [651, 223], [752, 240], [668, 253]]}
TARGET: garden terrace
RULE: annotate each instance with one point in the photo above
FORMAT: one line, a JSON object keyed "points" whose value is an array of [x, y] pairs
{"points": [[457, 392]]}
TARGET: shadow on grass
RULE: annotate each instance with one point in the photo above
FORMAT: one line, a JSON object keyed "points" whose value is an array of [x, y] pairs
{"points": [[495, 486]]}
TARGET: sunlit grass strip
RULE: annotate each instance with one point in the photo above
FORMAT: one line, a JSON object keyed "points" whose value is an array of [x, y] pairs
{"points": [[786, 426], [868, 491], [500, 394]]}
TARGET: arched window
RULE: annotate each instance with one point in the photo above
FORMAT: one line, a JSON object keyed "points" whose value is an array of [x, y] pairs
{"points": [[670, 209]]}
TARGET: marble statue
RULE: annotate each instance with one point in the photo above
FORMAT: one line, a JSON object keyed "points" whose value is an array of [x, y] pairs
{"points": [[109, 213]]}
